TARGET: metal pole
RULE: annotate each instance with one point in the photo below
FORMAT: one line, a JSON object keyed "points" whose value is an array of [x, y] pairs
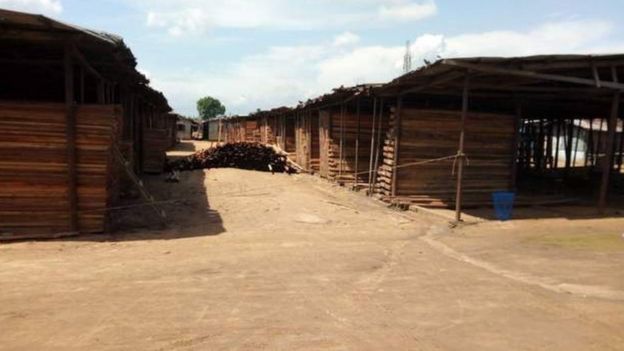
{"points": [[460, 152]]}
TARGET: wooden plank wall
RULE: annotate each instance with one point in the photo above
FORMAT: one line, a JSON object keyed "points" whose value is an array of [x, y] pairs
{"points": [[252, 131], [302, 141], [431, 134], [315, 145], [155, 145], [324, 142], [341, 162], [33, 168]]}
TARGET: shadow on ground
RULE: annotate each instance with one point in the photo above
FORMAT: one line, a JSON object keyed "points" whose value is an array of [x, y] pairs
{"points": [[185, 203]]}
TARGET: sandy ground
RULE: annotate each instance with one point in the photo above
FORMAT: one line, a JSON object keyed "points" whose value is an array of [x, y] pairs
{"points": [[252, 261]]}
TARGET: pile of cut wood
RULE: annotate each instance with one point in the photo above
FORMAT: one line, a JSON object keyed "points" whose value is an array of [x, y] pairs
{"points": [[251, 156]]}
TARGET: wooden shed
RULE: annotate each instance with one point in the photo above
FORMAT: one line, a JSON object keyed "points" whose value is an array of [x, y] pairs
{"points": [[338, 134], [71, 101], [464, 128]]}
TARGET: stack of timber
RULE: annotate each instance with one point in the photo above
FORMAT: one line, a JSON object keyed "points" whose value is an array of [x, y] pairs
{"points": [[302, 141], [383, 184], [252, 132], [155, 145], [315, 144], [268, 128], [432, 134], [349, 146], [34, 181], [251, 156]]}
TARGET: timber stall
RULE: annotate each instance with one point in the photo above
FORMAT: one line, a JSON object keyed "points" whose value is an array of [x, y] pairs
{"points": [[464, 128], [338, 135], [70, 101]]}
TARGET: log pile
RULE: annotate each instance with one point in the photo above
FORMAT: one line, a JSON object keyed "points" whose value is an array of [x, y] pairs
{"points": [[250, 156]]}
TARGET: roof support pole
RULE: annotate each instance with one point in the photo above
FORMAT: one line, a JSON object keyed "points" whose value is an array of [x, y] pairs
{"points": [[460, 153], [397, 139], [342, 113], [357, 143], [70, 130], [516, 148], [372, 150], [380, 143], [607, 164]]}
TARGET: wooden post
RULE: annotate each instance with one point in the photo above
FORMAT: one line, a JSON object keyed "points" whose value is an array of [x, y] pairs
{"points": [[82, 85], [397, 136], [460, 152], [357, 145], [379, 148], [70, 130], [372, 150], [516, 147], [342, 112], [607, 164]]}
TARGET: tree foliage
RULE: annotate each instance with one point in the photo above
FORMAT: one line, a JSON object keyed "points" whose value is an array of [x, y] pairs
{"points": [[209, 107]]}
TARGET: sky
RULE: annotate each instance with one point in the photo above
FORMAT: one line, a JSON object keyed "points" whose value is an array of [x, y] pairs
{"points": [[260, 54]]}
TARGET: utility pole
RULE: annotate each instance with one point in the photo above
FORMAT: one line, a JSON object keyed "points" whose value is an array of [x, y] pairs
{"points": [[407, 59]]}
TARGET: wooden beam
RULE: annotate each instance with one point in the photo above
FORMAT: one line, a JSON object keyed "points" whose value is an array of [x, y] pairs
{"points": [[607, 164], [460, 152], [85, 63], [433, 83], [531, 74], [70, 129]]}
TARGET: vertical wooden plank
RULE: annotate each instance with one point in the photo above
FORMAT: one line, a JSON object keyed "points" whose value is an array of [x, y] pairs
{"points": [[70, 125], [460, 152], [607, 165]]}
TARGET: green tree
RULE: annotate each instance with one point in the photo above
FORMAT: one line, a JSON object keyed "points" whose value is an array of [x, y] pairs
{"points": [[209, 107]]}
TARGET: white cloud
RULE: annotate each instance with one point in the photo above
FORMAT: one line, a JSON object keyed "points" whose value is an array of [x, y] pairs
{"points": [[197, 17], [408, 11], [286, 75], [48, 7], [346, 39]]}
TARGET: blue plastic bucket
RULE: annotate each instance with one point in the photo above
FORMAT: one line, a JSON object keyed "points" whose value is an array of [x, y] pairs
{"points": [[503, 204]]}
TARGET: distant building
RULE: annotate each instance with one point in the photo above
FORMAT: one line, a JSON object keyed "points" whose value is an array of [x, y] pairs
{"points": [[186, 127]]}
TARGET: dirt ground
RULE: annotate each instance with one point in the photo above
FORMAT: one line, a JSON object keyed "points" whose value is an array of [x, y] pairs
{"points": [[254, 261]]}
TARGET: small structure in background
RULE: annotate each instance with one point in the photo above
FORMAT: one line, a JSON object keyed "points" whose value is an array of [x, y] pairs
{"points": [[186, 128]]}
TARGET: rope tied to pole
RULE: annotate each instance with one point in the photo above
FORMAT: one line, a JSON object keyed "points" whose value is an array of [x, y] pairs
{"points": [[433, 160], [460, 155]]}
